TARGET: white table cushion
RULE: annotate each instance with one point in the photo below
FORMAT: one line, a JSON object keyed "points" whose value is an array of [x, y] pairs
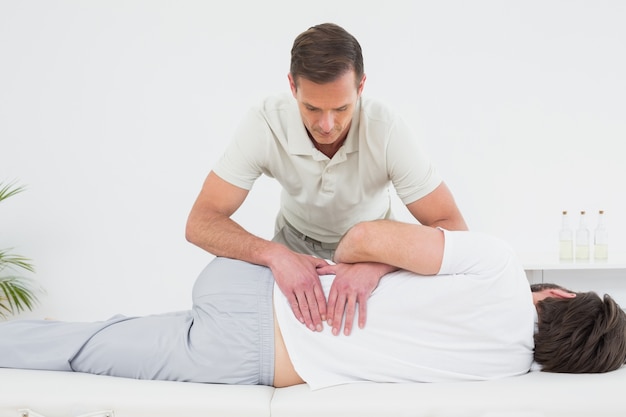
{"points": [[67, 394], [535, 394], [62, 394]]}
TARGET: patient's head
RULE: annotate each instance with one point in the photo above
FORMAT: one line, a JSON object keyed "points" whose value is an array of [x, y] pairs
{"points": [[584, 333]]}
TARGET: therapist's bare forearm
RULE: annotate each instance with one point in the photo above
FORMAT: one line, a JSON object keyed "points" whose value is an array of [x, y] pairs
{"points": [[408, 246], [224, 237], [354, 247]]}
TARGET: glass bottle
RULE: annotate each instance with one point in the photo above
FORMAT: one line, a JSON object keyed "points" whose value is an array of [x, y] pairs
{"points": [[566, 239], [601, 239], [582, 239]]}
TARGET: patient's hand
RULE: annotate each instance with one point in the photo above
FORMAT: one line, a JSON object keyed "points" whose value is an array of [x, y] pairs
{"points": [[296, 276], [353, 285]]}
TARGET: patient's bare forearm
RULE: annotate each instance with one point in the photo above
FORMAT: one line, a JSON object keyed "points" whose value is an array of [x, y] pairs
{"points": [[408, 246]]}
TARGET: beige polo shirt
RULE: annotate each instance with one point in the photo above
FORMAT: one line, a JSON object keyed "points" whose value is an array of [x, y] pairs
{"points": [[323, 197]]}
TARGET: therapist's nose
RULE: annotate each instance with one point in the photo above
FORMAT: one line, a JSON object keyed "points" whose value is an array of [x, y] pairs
{"points": [[327, 121]]}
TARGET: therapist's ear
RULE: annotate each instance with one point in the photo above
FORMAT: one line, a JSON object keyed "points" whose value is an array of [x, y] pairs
{"points": [[361, 85], [292, 85]]}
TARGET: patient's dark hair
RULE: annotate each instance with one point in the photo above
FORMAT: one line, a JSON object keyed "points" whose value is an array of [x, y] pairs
{"points": [[325, 52], [585, 334]]}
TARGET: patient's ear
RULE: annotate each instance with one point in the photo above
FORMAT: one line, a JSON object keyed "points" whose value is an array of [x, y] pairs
{"points": [[560, 293], [552, 293]]}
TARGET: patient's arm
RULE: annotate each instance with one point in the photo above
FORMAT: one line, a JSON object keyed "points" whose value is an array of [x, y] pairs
{"points": [[408, 246]]}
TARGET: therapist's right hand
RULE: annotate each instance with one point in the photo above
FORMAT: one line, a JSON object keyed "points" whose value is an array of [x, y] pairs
{"points": [[296, 276]]}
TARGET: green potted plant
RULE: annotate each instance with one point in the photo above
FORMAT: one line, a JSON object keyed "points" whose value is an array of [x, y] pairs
{"points": [[16, 292]]}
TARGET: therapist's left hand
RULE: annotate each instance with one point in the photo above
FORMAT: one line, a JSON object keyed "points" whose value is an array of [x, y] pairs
{"points": [[352, 286]]}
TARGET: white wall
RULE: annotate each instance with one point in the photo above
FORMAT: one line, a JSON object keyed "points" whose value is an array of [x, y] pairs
{"points": [[112, 113]]}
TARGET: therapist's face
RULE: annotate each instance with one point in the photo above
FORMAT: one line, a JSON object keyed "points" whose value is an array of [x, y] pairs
{"points": [[327, 109]]}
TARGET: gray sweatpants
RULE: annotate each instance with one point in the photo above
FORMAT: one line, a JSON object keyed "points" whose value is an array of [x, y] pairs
{"points": [[227, 337]]}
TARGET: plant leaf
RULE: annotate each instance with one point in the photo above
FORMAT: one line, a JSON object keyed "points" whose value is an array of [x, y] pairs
{"points": [[8, 260], [16, 294], [9, 190]]}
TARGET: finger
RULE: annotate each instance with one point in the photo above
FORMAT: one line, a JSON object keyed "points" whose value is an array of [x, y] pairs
{"points": [[314, 311], [295, 307], [349, 313], [319, 262], [340, 305], [304, 309], [326, 270], [362, 311], [330, 305], [320, 299]]}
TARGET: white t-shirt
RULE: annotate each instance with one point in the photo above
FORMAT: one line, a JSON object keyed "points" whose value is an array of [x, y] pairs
{"points": [[472, 321], [323, 197]]}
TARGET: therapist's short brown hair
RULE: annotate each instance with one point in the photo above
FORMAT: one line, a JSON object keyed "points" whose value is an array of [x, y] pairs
{"points": [[325, 52]]}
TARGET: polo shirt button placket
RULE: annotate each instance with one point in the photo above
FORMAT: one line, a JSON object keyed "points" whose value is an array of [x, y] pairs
{"points": [[328, 181]]}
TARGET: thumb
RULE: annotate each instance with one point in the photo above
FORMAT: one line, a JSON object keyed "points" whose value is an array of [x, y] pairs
{"points": [[327, 270]]}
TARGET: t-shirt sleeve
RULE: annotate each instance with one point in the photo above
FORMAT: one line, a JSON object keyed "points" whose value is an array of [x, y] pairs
{"points": [[411, 169], [241, 164], [474, 254]]}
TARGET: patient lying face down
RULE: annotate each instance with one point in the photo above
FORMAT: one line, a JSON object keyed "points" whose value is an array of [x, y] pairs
{"points": [[458, 307]]}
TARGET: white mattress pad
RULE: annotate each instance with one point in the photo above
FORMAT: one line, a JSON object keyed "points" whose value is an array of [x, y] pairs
{"points": [[26, 393]]}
